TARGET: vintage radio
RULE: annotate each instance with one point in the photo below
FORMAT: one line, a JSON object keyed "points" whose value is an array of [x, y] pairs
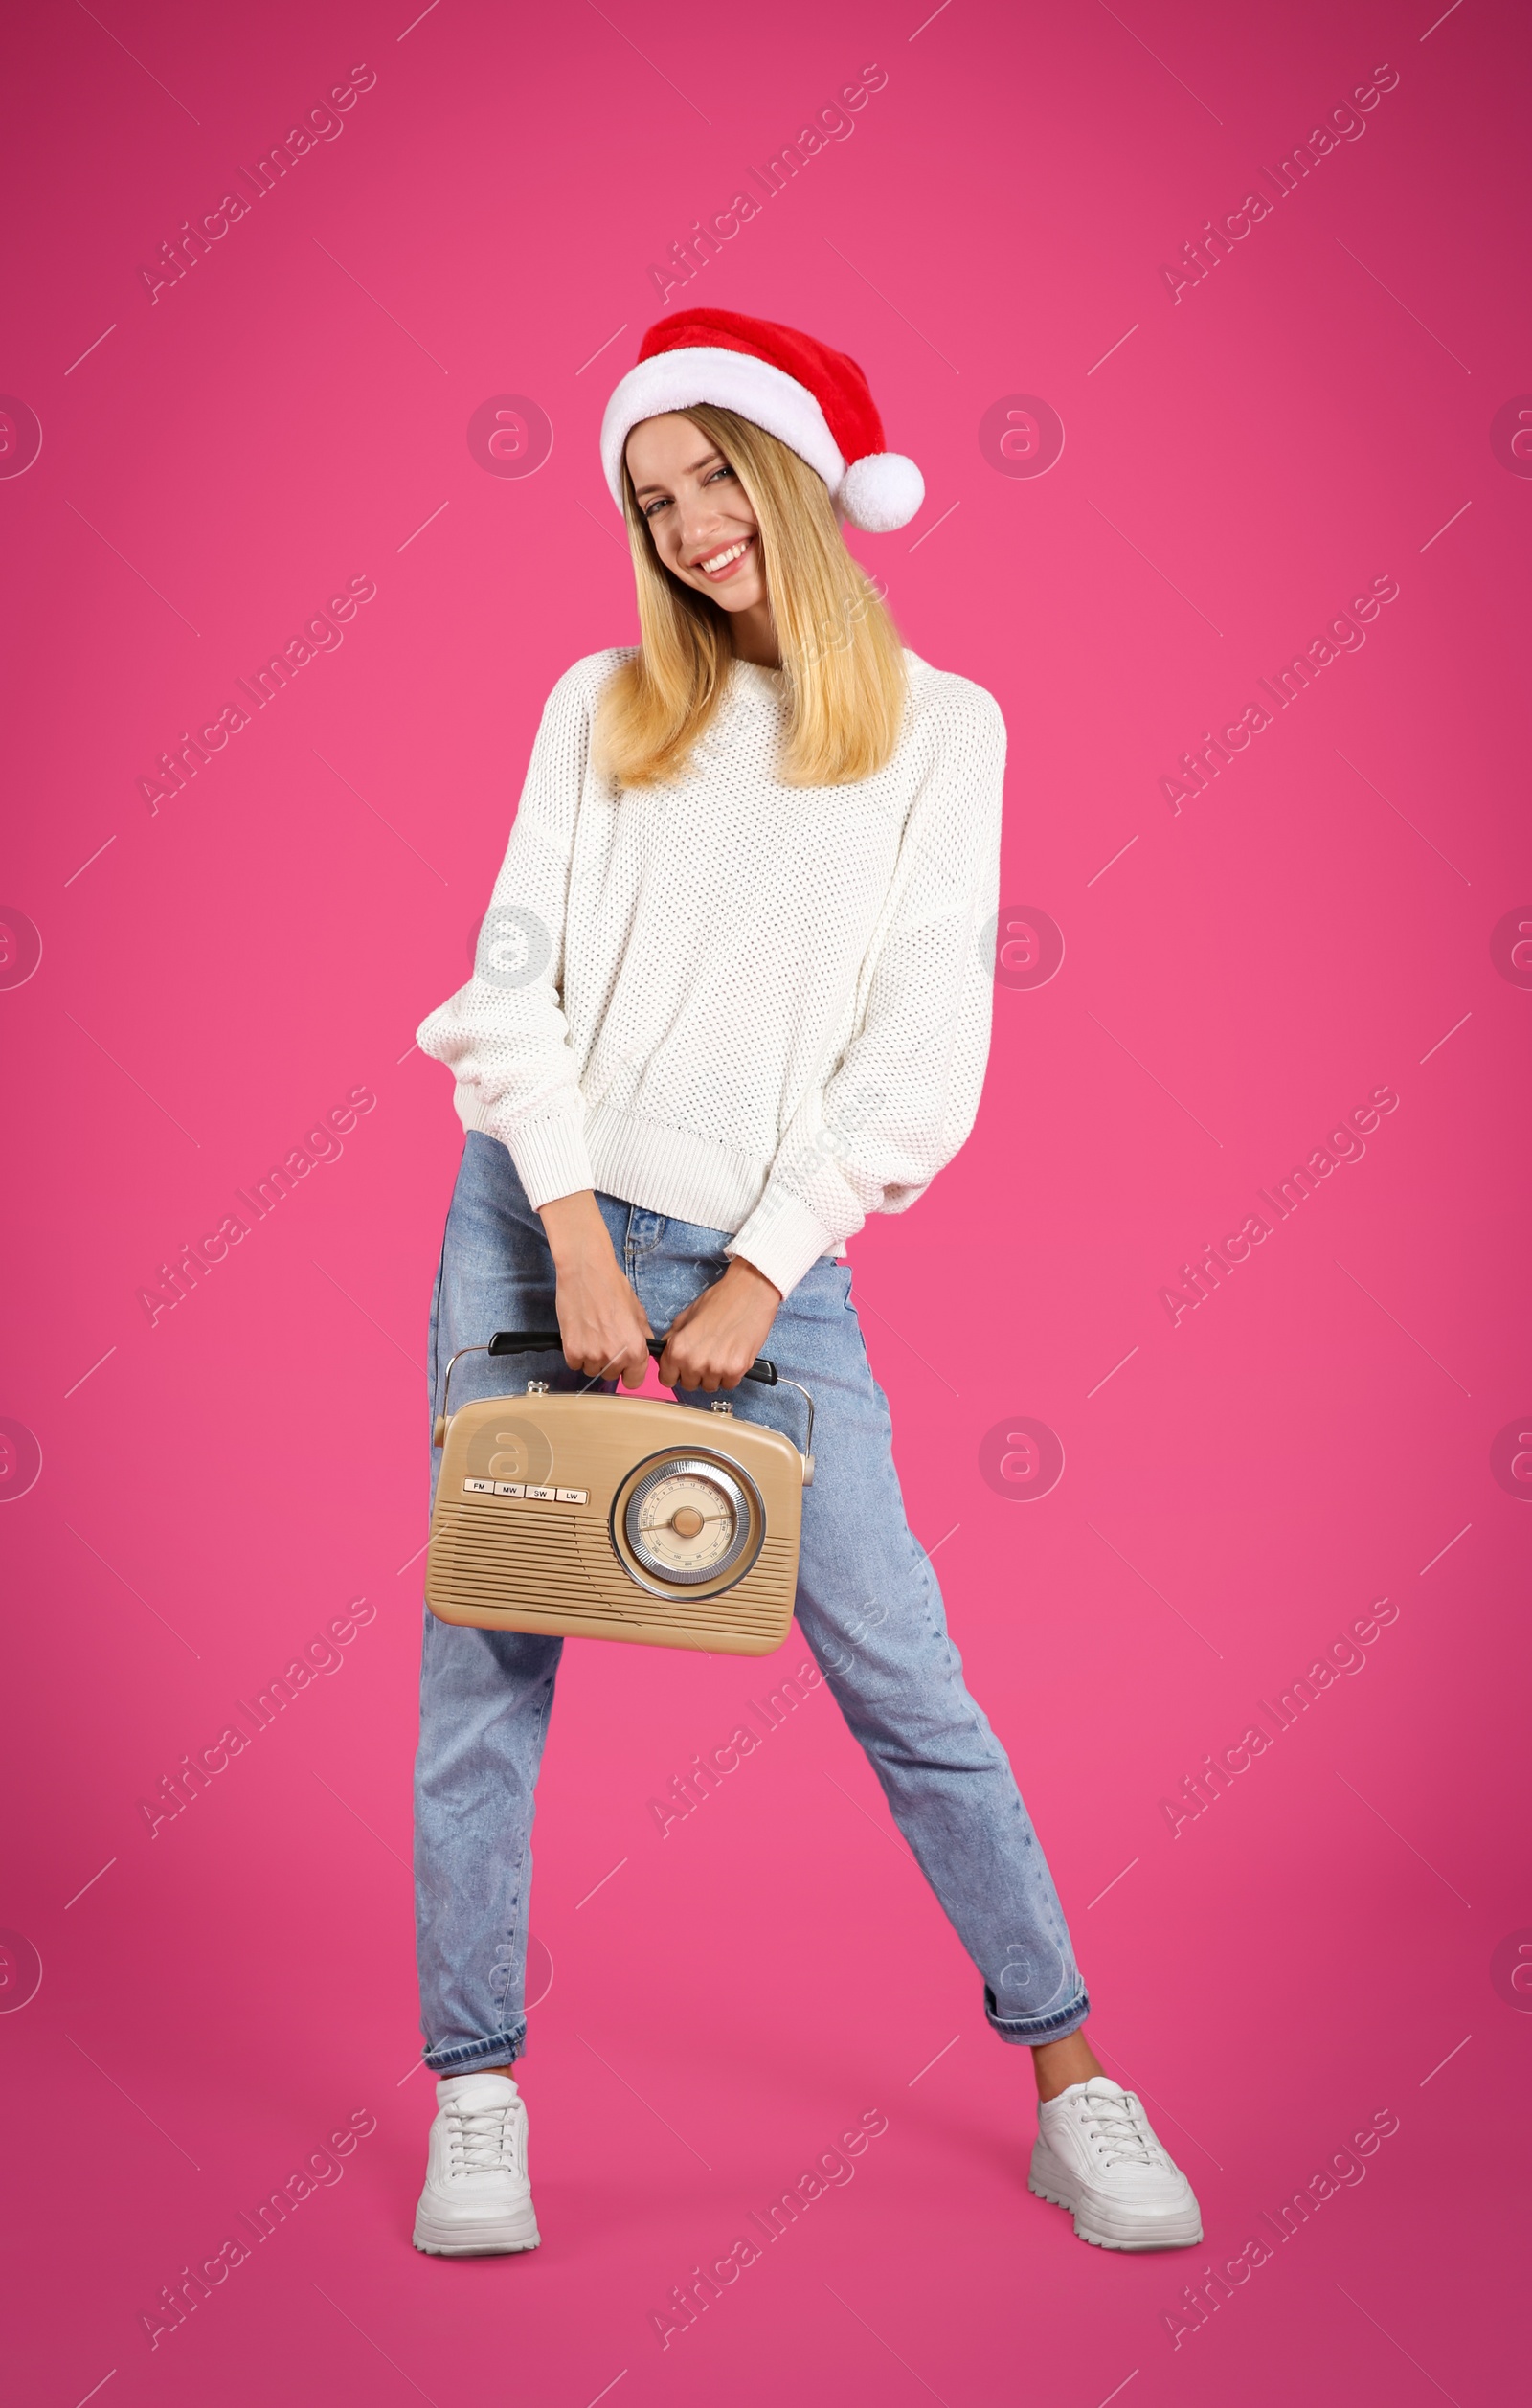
{"points": [[615, 1517]]}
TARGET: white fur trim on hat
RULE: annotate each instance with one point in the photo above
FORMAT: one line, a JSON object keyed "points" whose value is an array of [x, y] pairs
{"points": [[732, 380]]}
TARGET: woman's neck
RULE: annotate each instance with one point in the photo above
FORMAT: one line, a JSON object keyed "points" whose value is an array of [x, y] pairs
{"points": [[755, 637]]}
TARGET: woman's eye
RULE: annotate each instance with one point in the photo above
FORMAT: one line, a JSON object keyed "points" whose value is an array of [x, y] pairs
{"points": [[649, 507]]}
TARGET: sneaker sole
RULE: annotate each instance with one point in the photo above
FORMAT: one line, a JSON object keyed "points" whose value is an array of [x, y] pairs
{"points": [[1048, 2181], [497, 2239]]}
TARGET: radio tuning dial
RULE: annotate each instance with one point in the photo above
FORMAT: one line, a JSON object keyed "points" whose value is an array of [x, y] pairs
{"points": [[687, 1521]]}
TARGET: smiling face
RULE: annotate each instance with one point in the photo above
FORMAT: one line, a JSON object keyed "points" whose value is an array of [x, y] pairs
{"points": [[705, 531]]}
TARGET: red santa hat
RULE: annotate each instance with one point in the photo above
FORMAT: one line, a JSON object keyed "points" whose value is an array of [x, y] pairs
{"points": [[815, 400]]}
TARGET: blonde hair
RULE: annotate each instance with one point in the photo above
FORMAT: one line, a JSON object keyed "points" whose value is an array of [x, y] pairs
{"points": [[843, 662]]}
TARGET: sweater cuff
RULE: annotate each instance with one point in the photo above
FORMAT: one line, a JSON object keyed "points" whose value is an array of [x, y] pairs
{"points": [[782, 1238], [551, 1157]]}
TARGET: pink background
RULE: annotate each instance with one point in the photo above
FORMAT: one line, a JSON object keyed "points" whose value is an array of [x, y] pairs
{"points": [[1318, 1948]]}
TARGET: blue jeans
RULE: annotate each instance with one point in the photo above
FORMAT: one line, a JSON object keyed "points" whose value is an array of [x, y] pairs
{"points": [[867, 1603]]}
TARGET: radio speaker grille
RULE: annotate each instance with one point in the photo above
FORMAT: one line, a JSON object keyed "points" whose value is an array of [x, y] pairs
{"points": [[560, 1569]]}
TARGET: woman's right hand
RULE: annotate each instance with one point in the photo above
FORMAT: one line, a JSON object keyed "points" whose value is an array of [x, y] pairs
{"points": [[604, 1328]]}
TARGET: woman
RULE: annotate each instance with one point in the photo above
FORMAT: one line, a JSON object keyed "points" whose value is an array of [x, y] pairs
{"points": [[733, 993]]}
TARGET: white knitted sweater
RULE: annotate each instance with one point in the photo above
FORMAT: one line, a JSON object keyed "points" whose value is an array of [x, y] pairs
{"points": [[758, 1007]]}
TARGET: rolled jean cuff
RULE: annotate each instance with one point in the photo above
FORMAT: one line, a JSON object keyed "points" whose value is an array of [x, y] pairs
{"points": [[1031, 2031], [477, 2056]]}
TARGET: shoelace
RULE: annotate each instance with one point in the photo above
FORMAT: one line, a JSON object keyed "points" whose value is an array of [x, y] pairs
{"points": [[1113, 2125], [480, 2140]]}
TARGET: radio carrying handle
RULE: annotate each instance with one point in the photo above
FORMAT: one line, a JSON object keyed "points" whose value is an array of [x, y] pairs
{"points": [[507, 1342], [542, 1341]]}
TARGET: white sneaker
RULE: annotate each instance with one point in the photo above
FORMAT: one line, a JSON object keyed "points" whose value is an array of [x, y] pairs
{"points": [[477, 2199], [1096, 2154]]}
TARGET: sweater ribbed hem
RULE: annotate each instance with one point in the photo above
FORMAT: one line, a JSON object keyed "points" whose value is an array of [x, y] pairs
{"points": [[665, 1170], [672, 1170]]}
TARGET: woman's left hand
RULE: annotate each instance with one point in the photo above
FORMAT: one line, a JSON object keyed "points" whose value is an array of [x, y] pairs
{"points": [[713, 1341]]}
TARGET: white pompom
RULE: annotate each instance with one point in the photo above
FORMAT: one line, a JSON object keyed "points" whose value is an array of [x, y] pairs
{"points": [[882, 491]]}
